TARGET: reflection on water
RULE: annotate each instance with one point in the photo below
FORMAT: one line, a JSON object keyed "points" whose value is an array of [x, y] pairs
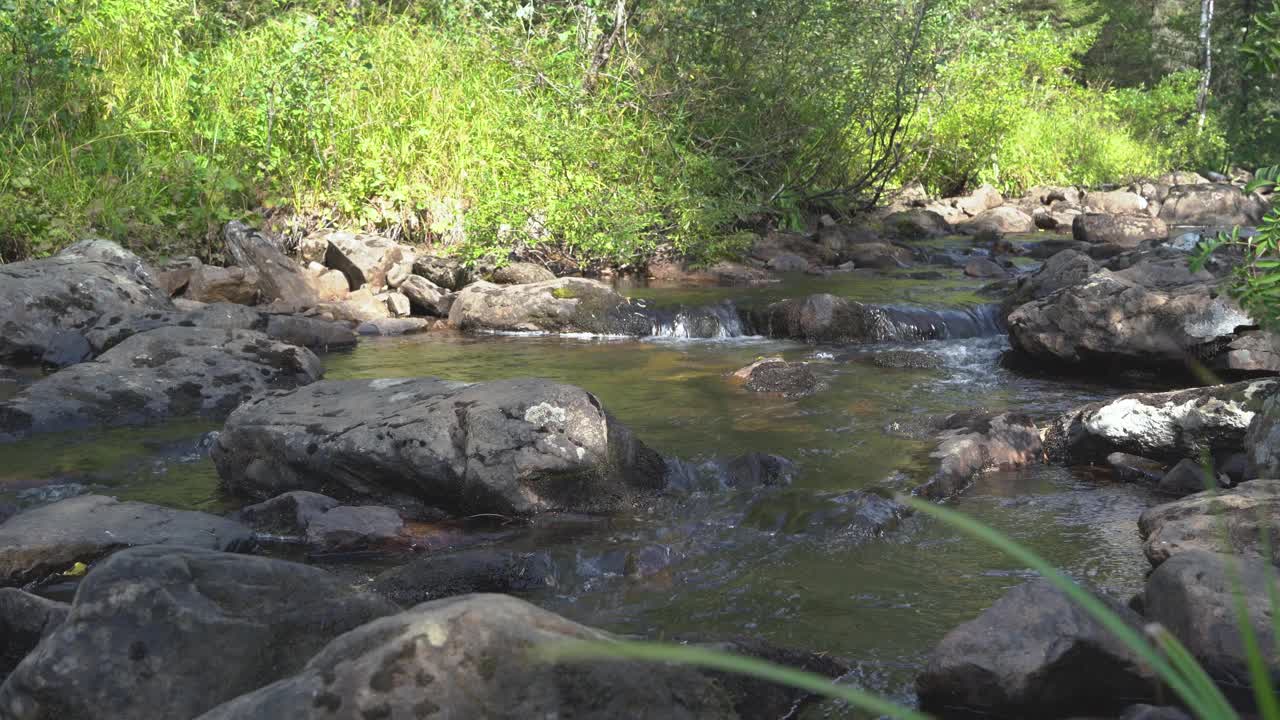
{"points": [[699, 566]]}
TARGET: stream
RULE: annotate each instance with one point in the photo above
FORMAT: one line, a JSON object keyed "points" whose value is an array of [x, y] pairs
{"points": [[775, 563]]}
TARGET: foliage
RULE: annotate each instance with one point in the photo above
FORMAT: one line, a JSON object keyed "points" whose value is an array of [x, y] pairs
{"points": [[487, 127], [1255, 280]]}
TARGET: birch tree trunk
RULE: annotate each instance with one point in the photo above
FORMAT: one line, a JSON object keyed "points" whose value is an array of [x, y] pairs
{"points": [[1206, 63]]}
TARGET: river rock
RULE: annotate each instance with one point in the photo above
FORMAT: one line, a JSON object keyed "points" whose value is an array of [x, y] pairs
{"points": [[212, 284], [51, 538], [790, 379], [1165, 426], [366, 260], [906, 360], [279, 278], [743, 472], [1004, 220], [565, 305], [1152, 314], [1064, 269], [161, 632], [514, 447], [1212, 204], [1143, 711], [1049, 194], [1185, 478], [426, 297], [287, 514], [468, 657], [359, 306], [788, 263], [980, 200], [290, 329], [25, 620], [394, 326], [878, 255], [1034, 653], [917, 224], [483, 570], [1262, 442], [521, 273], [1135, 468], [1196, 522], [331, 285], [1121, 230], [157, 375], [172, 275], [45, 303], [971, 443], [981, 267], [1251, 352], [1115, 202], [397, 303], [1193, 595], [448, 273]]}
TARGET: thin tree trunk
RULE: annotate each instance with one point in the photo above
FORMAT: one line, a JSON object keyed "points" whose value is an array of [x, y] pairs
{"points": [[1206, 45], [607, 44]]}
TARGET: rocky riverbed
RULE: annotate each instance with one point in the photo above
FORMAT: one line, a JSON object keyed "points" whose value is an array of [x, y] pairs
{"points": [[355, 479]]}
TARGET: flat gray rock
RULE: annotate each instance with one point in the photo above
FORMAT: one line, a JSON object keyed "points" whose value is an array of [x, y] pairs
{"points": [[513, 447], [156, 375], [170, 632], [51, 538], [1248, 513]]}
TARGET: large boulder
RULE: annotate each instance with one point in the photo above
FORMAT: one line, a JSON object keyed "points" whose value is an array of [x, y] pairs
{"points": [[45, 303], [971, 443], [979, 201], [522, 273], [566, 305], [469, 657], [290, 329], [1034, 654], [1063, 269], [51, 538], [1242, 520], [156, 375], [1004, 220], [775, 375], [1194, 596], [479, 570], [1119, 230], [514, 447], [1262, 442], [448, 273], [366, 260], [25, 620], [279, 278], [1152, 314], [1165, 426], [916, 224], [161, 632], [1212, 204], [324, 523], [426, 297], [877, 255], [1115, 202], [212, 284]]}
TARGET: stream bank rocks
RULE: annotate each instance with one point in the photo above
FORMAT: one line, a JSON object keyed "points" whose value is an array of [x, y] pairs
{"points": [[306, 332], [1240, 520], [469, 656], [1167, 426], [514, 447], [50, 539], [48, 302], [25, 620], [567, 305], [163, 373], [1034, 653], [971, 443], [174, 631], [324, 523], [826, 318]]}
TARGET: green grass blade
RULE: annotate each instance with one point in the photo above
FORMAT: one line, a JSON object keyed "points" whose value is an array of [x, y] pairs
{"points": [[727, 662], [1200, 695], [1263, 689], [1185, 663]]}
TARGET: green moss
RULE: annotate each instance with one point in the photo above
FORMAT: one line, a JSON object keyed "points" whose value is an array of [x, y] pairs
{"points": [[563, 293]]}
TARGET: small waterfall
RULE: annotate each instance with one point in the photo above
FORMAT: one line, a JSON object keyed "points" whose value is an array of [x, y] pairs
{"points": [[717, 321], [903, 322]]}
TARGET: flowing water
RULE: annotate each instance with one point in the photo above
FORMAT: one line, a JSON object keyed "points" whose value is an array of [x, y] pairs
{"points": [[777, 563]]}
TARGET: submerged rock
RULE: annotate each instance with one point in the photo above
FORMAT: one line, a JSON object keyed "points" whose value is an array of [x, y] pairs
{"points": [[790, 379], [51, 538], [1185, 478], [831, 319], [44, 304], [469, 656], [1166, 426], [25, 620], [172, 632], [906, 360], [1193, 596], [482, 570], [1135, 468], [156, 375], [567, 305], [1034, 653], [514, 447], [1240, 520]]}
